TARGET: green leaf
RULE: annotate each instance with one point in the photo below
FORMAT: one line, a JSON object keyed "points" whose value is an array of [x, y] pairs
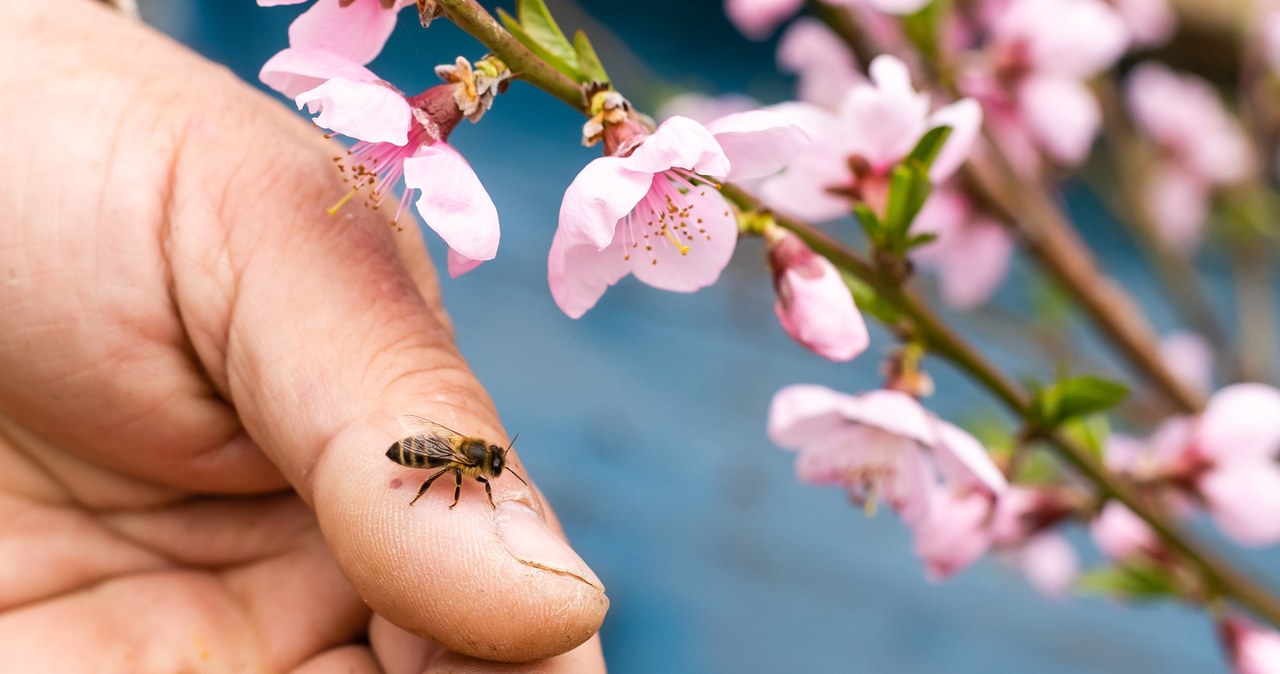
{"points": [[1091, 431], [588, 62], [921, 239], [1076, 397], [869, 301], [536, 20], [870, 223], [909, 188], [1137, 579], [518, 32], [928, 147]]}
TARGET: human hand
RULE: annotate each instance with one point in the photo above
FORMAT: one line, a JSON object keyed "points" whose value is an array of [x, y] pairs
{"points": [[200, 372]]}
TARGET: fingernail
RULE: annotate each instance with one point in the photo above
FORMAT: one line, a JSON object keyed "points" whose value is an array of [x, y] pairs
{"points": [[533, 543]]}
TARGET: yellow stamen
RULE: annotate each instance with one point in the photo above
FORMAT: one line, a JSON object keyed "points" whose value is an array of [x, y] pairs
{"points": [[333, 210], [666, 231], [873, 501]]}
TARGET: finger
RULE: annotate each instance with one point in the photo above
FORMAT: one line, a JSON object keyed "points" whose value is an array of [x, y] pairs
{"points": [[584, 659], [323, 340]]}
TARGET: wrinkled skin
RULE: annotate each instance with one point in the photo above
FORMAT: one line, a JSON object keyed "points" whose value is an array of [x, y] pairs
{"points": [[199, 374]]}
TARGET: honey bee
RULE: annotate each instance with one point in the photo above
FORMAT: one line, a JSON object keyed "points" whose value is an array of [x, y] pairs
{"points": [[435, 446]]}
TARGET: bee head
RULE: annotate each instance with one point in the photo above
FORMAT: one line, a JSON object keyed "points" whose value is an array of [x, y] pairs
{"points": [[497, 460]]}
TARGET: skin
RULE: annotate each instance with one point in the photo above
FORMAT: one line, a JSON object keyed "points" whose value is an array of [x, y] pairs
{"points": [[201, 371]]}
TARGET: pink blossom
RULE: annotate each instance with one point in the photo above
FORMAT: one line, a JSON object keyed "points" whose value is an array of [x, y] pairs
{"points": [[1202, 143], [1190, 358], [971, 254], [704, 109], [1042, 51], [1150, 22], [813, 303], [1238, 435], [399, 137], [757, 18], [655, 212], [881, 444], [1120, 534], [855, 150], [353, 29], [1250, 648], [954, 533], [1049, 562], [825, 68]]}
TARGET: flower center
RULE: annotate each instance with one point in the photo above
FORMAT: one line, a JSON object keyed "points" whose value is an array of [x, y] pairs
{"points": [[375, 168], [668, 215]]}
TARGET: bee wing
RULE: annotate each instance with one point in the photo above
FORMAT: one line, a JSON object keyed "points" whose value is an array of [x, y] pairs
{"points": [[430, 439], [416, 424]]}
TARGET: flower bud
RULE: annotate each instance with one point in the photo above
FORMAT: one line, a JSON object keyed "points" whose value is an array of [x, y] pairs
{"points": [[813, 303]]}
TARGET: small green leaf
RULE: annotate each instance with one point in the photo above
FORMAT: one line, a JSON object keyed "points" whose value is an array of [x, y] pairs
{"points": [[1091, 431], [588, 62], [518, 32], [1076, 397], [1137, 579], [928, 147], [869, 301], [901, 185], [921, 239], [870, 223], [536, 20]]}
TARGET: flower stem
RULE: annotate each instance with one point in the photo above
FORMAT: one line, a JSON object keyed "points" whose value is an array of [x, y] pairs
{"points": [[474, 19], [928, 328]]}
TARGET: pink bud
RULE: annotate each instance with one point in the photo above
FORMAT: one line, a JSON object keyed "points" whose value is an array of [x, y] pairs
{"points": [[1250, 648], [813, 303]]}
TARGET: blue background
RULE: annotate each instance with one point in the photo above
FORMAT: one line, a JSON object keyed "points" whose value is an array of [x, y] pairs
{"points": [[643, 421]]}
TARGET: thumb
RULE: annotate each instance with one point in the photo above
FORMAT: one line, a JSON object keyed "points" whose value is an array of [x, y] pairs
{"points": [[323, 331]]}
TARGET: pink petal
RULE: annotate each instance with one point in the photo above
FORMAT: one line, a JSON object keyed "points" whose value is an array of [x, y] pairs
{"points": [[801, 414], [1050, 564], [943, 215], [1244, 499], [601, 195], [357, 31], [820, 59], [801, 189], [1070, 38], [1062, 114], [1178, 203], [1119, 533], [367, 111], [1150, 22], [453, 202], [898, 7], [962, 459], [893, 412], [757, 143], [580, 273], [275, 3], [1190, 358], [757, 18], [884, 122], [973, 262], [682, 143], [293, 71], [965, 119], [953, 535], [816, 308], [1241, 421], [460, 264], [1252, 649], [708, 252]]}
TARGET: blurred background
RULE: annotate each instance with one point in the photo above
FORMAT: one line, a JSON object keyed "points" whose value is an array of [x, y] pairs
{"points": [[644, 421]]}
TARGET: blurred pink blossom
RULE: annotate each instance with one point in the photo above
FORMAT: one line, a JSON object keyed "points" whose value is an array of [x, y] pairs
{"points": [[884, 445], [824, 66], [1238, 435], [757, 18], [1251, 649], [813, 303], [1049, 562], [704, 109], [356, 32], [971, 254], [1151, 22], [855, 150], [1190, 358], [1202, 144], [1042, 51], [653, 211], [399, 137], [1120, 534]]}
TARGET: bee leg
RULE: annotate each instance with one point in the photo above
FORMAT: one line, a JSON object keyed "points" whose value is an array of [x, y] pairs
{"points": [[457, 488], [426, 484], [488, 490]]}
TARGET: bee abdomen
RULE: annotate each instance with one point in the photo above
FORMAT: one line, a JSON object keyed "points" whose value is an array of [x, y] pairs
{"points": [[409, 452]]}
